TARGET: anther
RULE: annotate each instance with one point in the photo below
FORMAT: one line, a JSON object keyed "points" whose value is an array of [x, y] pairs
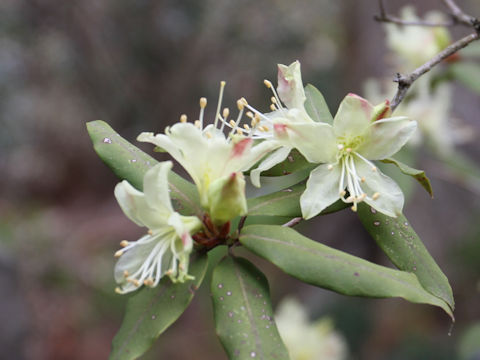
{"points": [[150, 232], [265, 128], [118, 290], [267, 83], [118, 253], [350, 199], [374, 169], [126, 273], [240, 104], [183, 118], [361, 197], [343, 193], [249, 114], [375, 196], [273, 107], [232, 123], [225, 113], [148, 282], [124, 243], [246, 127], [197, 124], [208, 135], [354, 207], [239, 131], [203, 102], [362, 179], [136, 282], [274, 101]]}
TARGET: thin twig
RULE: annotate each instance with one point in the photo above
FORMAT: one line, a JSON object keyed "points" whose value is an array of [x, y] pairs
{"points": [[293, 222], [395, 20], [460, 16], [405, 81]]}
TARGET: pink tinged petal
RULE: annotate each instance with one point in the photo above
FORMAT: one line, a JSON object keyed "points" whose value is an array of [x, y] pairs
{"points": [[353, 117], [290, 85], [387, 137], [322, 190], [316, 141], [387, 194], [382, 111], [270, 161], [240, 147]]}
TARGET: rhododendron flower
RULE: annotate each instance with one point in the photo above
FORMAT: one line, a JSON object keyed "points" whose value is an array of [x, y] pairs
{"points": [[213, 160], [166, 248]]}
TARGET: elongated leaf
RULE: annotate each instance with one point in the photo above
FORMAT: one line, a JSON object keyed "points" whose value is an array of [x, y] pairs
{"points": [[293, 163], [151, 311], [130, 163], [418, 175], [320, 265], [468, 73], [285, 203], [401, 244], [243, 312], [316, 105]]}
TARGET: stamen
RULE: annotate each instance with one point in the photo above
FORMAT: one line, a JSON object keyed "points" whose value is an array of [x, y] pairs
{"points": [[362, 179], [249, 114], [225, 113], [232, 123], [273, 100], [354, 207], [183, 118], [342, 193], [150, 232], [124, 243], [125, 273], [118, 290], [197, 124], [219, 105], [374, 169], [273, 107], [208, 135], [118, 253], [267, 83], [246, 127], [148, 282], [375, 196]]}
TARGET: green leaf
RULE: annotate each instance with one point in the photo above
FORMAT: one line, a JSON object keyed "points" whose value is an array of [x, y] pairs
{"points": [[151, 311], [316, 105], [401, 244], [293, 163], [243, 312], [468, 73], [285, 203], [320, 265], [130, 163], [418, 175]]}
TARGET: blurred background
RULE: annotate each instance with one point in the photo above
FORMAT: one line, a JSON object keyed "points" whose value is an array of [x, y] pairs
{"points": [[138, 65]]}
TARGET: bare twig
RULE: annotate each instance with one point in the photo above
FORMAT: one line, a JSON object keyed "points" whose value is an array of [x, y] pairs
{"points": [[460, 16], [405, 81], [293, 222]]}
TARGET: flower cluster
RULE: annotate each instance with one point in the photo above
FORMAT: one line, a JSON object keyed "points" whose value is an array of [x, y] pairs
{"points": [[216, 155]]}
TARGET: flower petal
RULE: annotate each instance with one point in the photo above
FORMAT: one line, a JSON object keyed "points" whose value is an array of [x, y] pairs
{"points": [[321, 191], [135, 206], [290, 85], [270, 161], [390, 197], [316, 141], [353, 117], [387, 137], [155, 187]]}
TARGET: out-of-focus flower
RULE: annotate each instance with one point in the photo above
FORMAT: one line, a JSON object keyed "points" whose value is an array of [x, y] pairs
{"points": [[215, 161], [417, 44], [307, 340], [432, 107], [166, 248]]}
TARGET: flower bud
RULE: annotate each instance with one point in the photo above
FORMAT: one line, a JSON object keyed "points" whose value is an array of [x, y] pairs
{"points": [[226, 198]]}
